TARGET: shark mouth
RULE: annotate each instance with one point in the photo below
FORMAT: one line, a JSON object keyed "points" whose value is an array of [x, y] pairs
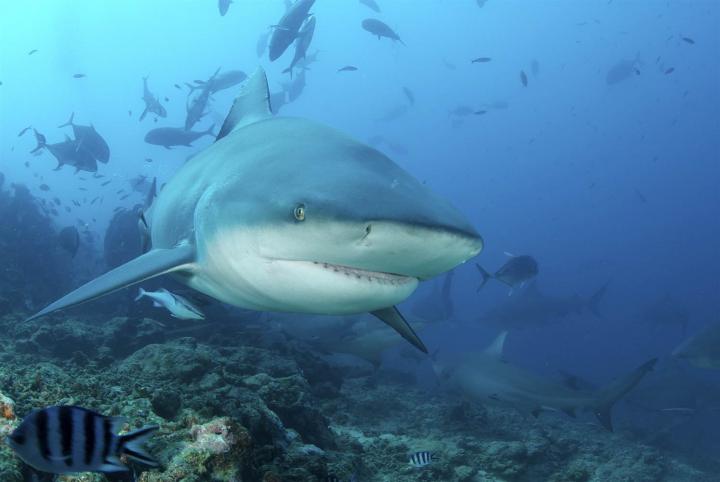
{"points": [[361, 274]]}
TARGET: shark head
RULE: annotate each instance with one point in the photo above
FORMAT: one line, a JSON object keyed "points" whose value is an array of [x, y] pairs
{"points": [[339, 229]]}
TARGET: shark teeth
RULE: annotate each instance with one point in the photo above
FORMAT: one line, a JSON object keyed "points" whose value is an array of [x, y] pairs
{"points": [[361, 274]]}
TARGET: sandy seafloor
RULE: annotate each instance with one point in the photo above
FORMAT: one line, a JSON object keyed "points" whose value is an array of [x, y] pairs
{"points": [[233, 405]]}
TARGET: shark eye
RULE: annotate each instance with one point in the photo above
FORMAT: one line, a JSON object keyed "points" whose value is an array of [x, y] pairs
{"points": [[299, 212]]}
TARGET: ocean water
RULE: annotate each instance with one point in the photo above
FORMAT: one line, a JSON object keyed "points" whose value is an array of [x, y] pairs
{"points": [[583, 134]]}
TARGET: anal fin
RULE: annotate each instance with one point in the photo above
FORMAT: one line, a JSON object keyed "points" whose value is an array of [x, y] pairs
{"points": [[397, 322], [149, 265]]}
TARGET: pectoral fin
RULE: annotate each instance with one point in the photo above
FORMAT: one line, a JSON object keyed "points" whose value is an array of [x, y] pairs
{"points": [[395, 319], [149, 265]]}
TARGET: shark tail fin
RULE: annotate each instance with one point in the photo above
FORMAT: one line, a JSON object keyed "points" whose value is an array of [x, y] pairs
{"points": [[69, 122], [41, 141], [141, 293], [609, 395], [485, 276], [594, 301], [149, 265]]}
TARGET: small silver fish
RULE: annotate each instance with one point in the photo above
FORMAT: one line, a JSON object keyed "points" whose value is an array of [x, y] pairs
{"points": [[178, 306]]}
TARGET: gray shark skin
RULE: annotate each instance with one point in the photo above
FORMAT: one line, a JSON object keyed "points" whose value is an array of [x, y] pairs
{"points": [[531, 308], [487, 377], [702, 349], [283, 214]]}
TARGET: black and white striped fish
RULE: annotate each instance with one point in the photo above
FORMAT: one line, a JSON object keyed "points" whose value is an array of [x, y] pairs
{"points": [[66, 439], [421, 459]]}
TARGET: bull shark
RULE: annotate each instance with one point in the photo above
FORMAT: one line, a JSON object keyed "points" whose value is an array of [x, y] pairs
{"points": [[284, 214], [531, 308], [486, 376]]}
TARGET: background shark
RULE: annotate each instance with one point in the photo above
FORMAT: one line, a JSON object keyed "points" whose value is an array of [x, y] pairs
{"points": [[487, 377], [282, 214]]}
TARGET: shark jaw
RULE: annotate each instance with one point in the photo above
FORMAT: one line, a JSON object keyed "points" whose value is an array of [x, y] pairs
{"points": [[329, 268]]}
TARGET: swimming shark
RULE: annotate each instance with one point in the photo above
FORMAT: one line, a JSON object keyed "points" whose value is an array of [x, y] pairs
{"points": [[486, 376], [532, 308], [284, 214]]}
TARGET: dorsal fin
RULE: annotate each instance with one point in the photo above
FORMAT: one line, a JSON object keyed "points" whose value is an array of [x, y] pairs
{"points": [[252, 105], [496, 347]]}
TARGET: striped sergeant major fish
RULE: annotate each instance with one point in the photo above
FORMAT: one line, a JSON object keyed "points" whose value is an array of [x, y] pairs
{"points": [[421, 459], [66, 439]]}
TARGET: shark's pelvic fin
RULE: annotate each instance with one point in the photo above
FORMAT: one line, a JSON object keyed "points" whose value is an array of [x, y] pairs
{"points": [[395, 319], [252, 105], [496, 347], [153, 263]]}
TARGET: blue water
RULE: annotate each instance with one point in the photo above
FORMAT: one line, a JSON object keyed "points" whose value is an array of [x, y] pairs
{"points": [[600, 183]]}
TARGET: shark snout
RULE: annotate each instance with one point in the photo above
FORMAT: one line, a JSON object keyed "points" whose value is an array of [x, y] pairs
{"points": [[415, 250]]}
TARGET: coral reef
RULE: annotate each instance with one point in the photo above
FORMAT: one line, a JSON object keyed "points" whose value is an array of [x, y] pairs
{"points": [[233, 411]]}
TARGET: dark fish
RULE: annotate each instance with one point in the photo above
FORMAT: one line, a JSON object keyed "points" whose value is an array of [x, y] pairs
{"points": [[167, 100], [421, 459], [32, 51], [27, 164], [688, 40], [67, 439], [481, 60], [44, 187], [223, 81], [69, 240], [22, 132], [262, 43], [669, 70], [56, 201], [79, 76], [347, 68], [409, 94], [640, 196], [175, 136], [152, 103], [287, 28], [129, 113], [147, 159], [196, 106], [177, 86], [302, 43], [517, 270], [90, 140], [523, 78], [380, 29], [535, 68], [480, 112], [622, 70], [122, 198], [223, 6], [371, 4]]}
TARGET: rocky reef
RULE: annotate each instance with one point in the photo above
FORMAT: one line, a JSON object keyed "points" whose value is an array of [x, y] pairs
{"points": [[233, 405]]}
